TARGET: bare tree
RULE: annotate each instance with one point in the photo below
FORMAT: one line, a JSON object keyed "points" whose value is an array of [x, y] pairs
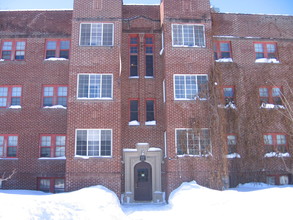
{"points": [[287, 112], [6, 178]]}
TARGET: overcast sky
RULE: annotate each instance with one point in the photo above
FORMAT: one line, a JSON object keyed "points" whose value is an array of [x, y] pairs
{"points": [[239, 6]]}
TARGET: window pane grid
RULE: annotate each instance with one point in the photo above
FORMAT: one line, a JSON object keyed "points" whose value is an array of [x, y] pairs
{"points": [[95, 86], [265, 50], [133, 110], [96, 34], [52, 146], [188, 35], [58, 48], [93, 142], [10, 96], [190, 87], [55, 95], [13, 50], [275, 143], [8, 146], [193, 142], [271, 95], [7, 45]]}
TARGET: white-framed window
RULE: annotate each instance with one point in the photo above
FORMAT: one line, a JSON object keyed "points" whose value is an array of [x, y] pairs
{"points": [[93, 142], [95, 86], [193, 141], [96, 34], [188, 35], [190, 87]]}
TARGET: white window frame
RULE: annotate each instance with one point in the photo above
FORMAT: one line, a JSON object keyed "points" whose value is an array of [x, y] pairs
{"points": [[187, 148], [164, 91], [184, 75], [165, 144], [90, 45], [182, 35], [100, 156], [99, 98]]}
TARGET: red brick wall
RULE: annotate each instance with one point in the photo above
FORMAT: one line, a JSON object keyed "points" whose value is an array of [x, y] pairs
{"points": [[248, 121], [32, 119], [95, 114]]}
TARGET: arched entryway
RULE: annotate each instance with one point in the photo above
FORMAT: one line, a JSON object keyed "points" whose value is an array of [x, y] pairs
{"points": [[142, 174], [143, 182]]}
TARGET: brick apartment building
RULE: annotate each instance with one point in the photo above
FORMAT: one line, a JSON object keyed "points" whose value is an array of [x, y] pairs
{"points": [[140, 98]]}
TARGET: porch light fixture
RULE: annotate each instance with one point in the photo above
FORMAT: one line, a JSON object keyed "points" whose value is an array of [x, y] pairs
{"points": [[142, 157]]}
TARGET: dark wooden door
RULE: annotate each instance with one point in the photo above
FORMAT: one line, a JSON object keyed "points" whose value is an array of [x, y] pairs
{"points": [[142, 182]]}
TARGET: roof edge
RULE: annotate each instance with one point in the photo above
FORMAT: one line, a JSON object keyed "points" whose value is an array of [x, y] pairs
{"points": [[37, 10], [261, 14]]}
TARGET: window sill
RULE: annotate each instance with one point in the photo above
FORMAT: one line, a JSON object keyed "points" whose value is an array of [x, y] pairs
{"points": [[271, 106], [52, 158], [11, 61], [97, 46], [191, 155], [233, 155], [90, 157], [149, 77], [195, 98], [224, 60], [275, 154], [7, 158], [228, 106], [56, 59], [14, 107], [266, 60], [55, 107], [94, 99], [184, 46], [151, 123], [133, 123], [133, 77]]}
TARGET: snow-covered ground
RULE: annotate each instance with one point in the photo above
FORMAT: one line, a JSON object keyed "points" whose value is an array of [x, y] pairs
{"points": [[189, 201]]}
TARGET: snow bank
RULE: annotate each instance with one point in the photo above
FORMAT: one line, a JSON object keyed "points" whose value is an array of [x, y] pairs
{"points": [[186, 195], [248, 201], [95, 202], [189, 201]]}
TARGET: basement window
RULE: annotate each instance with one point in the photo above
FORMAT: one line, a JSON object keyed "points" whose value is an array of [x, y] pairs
{"points": [[52, 185]]}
